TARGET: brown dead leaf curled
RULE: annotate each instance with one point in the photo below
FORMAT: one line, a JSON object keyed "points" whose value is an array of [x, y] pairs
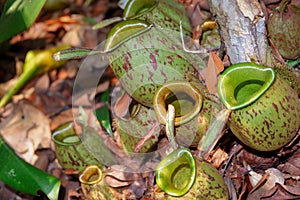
{"points": [[119, 171], [45, 156], [122, 106], [42, 84], [63, 118], [75, 36], [282, 192], [231, 188], [118, 176], [47, 29], [6, 193], [214, 67], [113, 181], [292, 166], [25, 130], [264, 183], [218, 157]]}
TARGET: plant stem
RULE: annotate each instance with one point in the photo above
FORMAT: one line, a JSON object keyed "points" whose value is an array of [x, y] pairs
{"points": [[22, 80]]}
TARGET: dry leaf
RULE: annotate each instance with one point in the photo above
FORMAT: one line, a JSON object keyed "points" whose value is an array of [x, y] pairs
{"points": [[265, 183], [75, 36], [218, 62], [282, 192], [63, 118], [115, 182], [122, 106], [45, 156], [43, 83], [46, 29], [231, 188], [214, 67], [258, 162], [218, 157], [119, 171], [6, 193], [292, 166], [25, 130]]}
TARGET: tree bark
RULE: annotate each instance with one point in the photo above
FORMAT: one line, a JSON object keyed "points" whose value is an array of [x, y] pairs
{"points": [[243, 31]]}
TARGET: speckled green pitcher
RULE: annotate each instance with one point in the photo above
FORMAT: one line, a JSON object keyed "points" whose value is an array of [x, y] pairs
{"points": [[94, 186], [180, 175], [194, 110], [193, 116], [70, 152], [265, 109], [145, 49]]}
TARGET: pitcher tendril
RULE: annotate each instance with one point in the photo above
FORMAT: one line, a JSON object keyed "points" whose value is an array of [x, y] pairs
{"points": [[183, 43], [75, 53], [170, 126]]}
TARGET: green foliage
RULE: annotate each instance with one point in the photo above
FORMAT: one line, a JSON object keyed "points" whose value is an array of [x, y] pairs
{"points": [[24, 177], [17, 16], [102, 113]]}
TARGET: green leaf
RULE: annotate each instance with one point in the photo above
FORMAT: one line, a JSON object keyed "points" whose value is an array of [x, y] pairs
{"points": [[17, 16], [103, 114], [24, 177], [293, 63]]}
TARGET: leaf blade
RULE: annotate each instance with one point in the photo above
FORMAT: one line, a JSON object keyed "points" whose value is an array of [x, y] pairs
{"points": [[24, 177], [17, 16], [103, 113]]}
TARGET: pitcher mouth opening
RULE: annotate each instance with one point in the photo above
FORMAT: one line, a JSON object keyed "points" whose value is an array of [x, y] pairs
{"points": [[182, 102], [176, 174], [66, 136], [186, 99], [242, 84], [179, 173], [246, 89], [90, 175]]}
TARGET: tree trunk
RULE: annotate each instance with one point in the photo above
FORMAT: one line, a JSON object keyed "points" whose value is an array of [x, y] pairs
{"points": [[243, 30]]}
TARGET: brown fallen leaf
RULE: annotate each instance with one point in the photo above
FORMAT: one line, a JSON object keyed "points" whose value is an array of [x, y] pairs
{"points": [[72, 190], [122, 106], [120, 172], [45, 156], [258, 162], [42, 84], [218, 157], [264, 183], [51, 98], [138, 188], [292, 166], [133, 184], [114, 182], [282, 192], [214, 67], [26, 129], [47, 29], [231, 188], [62, 118], [6, 193]]}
